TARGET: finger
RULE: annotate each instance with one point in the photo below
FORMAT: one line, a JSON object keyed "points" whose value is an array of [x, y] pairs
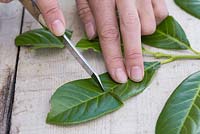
{"points": [[87, 18], [108, 31], [160, 10], [147, 17], [53, 16], [131, 34]]}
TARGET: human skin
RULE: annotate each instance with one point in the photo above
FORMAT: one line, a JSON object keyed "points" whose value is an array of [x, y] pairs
{"points": [[136, 18]]}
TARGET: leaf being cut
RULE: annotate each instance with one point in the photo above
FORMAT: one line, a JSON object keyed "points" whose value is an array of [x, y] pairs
{"points": [[168, 35], [82, 100], [41, 38], [190, 6], [181, 114]]}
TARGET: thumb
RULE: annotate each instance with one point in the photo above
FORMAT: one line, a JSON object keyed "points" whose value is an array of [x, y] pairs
{"points": [[53, 16]]}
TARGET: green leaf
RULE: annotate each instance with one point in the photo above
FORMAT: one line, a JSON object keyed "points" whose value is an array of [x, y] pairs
{"points": [[86, 44], [168, 35], [40, 38], [82, 100], [181, 114], [190, 6]]}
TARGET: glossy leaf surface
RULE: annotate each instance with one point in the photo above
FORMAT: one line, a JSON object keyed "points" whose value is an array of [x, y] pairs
{"points": [[190, 6], [85, 44], [82, 100], [40, 38], [168, 35], [181, 114]]}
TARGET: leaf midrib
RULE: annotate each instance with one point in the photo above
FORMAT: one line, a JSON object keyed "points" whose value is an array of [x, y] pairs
{"points": [[190, 108], [91, 98], [174, 39], [82, 102], [151, 66]]}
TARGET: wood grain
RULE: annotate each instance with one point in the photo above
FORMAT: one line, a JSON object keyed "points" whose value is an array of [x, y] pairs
{"points": [[41, 72], [10, 20]]}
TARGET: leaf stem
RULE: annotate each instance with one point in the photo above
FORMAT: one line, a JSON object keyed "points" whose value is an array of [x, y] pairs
{"points": [[170, 57], [194, 51], [180, 57], [167, 61], [177, 57], [156, 54]]}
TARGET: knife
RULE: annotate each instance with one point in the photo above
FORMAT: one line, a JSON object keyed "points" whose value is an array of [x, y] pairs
{"points": [[31, 6]]}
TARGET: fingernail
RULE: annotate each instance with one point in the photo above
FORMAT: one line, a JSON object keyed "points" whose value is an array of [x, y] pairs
{"points": [[90, 30], [121, 75], [58, 28], [136, 74]]}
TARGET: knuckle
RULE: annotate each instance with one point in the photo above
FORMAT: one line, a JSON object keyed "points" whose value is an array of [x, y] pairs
{"points": [[84, 10], [109, 32], [52, 10], [114, 61], [134, 56], [130, 19]]}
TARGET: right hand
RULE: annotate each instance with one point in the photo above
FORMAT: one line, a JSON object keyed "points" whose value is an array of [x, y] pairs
{"points": [[52, 14]]}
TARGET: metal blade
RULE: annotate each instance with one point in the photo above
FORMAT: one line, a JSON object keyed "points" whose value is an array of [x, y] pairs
{"points": [[79, 57]]}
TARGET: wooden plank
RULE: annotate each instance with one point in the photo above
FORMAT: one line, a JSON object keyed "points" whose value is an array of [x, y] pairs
{"points": [[10, 21], [41, 72]]}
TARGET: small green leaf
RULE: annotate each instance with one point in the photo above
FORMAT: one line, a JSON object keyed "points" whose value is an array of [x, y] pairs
{"points": [[190, 6], [86, 44], [82, 100], [181, 114], [168, 35], [40, 38]]}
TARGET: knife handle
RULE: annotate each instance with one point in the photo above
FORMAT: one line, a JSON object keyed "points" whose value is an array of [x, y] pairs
{"points": [[33, 9]]}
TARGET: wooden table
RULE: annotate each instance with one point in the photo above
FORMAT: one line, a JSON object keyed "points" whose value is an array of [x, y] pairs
{"points": [[39, 73]]}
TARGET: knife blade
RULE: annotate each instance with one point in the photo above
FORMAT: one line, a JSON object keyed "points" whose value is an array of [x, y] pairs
{"points": [[83, 62], [32, 7]]}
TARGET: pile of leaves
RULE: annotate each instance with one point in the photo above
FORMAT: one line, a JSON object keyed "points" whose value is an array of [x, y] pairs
{"points": [[82, 100]]}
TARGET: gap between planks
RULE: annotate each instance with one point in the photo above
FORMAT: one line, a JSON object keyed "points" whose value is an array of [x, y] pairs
{"points": [[9, 88], [12, 94]]}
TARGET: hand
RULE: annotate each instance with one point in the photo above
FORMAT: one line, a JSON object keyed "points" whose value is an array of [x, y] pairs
{"points": [[137, 17], [52, 14]]}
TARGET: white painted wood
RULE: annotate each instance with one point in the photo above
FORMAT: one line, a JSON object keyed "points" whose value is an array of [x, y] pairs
{"points": [[10, 20], [41, 72]]}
